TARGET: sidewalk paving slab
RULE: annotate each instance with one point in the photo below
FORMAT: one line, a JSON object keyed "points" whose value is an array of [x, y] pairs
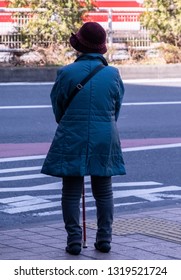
{"points": [[131, 239]]}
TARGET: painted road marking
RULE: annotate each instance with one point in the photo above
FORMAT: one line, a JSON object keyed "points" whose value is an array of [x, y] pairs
{"points": [[20, 169], [136, 184], [57, 186], [147, 193], [153, 196], [25, 107], [152, 103], [45, 187], [124, 104], [27, 84], [17, 151], [16, 210], [153, 81], [15, 199], [22, 177], [28, 203], [45, 204], [131, 81], [22, 158], [152, 147], [48, 213], [131, 149]]}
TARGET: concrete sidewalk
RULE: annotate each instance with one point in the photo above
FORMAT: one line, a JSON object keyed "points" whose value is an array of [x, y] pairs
{"points": [[149, 235]]}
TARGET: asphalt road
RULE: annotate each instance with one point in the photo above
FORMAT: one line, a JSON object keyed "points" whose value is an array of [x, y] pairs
{"points": [[150, 133]]}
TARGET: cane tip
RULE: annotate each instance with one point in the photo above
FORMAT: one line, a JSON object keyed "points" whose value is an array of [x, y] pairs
{"points": [[84, 245]]}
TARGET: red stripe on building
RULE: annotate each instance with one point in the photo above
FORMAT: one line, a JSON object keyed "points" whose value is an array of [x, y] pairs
{"points": [[117, 4]]}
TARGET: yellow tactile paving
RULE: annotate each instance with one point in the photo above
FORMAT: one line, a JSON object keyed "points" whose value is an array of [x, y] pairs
{"points": [[158, 228]]}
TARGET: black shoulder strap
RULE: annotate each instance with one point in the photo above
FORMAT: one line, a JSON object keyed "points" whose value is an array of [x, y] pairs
{"points": [[81, 84]]}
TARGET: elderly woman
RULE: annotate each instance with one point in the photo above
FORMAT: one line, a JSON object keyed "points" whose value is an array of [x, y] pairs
{"points": [[86, 141]]}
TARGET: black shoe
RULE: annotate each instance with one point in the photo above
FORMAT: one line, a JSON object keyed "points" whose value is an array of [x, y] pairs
{"points": [[73, 249], [103, 246]]}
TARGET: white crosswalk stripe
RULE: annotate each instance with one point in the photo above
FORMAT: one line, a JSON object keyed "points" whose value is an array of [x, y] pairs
{"points": [[19, 169], [43, 198], [22, 177]]}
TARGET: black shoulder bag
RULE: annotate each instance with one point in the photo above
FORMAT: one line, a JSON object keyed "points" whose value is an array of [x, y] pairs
{"points": [[81, 84]]}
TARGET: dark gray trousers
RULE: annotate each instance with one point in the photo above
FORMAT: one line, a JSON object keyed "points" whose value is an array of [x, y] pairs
{"points": [[71, 195]]}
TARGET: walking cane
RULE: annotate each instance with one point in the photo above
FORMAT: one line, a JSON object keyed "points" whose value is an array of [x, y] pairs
{"points": [[83, 217]]}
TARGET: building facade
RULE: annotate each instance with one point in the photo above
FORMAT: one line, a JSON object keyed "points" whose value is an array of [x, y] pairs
{"points": [[115, 15]]}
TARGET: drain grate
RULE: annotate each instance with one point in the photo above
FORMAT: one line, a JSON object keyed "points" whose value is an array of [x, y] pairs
{"points": [[158, 228]]}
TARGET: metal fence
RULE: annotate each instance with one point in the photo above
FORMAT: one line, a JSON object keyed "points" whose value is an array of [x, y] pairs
{"points": [[15, 41], [18, 41], [11, 41], [139, 40]]}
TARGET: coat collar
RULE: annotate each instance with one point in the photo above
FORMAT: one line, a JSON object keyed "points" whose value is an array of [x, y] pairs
{"points": [[89, 56]]}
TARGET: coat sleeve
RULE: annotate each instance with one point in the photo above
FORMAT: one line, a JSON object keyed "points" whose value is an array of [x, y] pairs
{"points": [[120, 95], [56, 97]]}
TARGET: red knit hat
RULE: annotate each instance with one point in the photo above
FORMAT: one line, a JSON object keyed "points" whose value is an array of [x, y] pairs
{"points": [[91, 38]]}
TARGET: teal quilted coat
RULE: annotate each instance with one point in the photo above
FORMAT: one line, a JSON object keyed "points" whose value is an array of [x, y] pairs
{"points": [[86, 141]]}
